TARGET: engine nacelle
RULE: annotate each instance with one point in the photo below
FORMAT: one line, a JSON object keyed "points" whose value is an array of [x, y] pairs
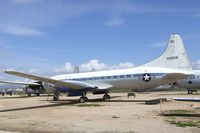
{"points": [[35, 88]]}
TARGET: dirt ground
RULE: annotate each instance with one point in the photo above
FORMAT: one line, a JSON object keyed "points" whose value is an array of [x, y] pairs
{"points": [[120, 114]]}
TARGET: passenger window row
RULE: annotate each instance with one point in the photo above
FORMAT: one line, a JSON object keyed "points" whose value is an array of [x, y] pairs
{"points": [[153, 76], [105, 77]]}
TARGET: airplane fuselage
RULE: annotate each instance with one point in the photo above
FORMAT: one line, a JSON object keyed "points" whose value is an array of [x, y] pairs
{"points": [[134, 78], [192, 82]]}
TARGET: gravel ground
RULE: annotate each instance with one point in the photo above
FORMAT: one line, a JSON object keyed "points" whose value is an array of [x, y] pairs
{"points": [[118, 115]]}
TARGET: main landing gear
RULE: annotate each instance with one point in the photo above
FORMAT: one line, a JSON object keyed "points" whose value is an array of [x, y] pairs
{"points": [[56, 96], [106, 96], [83, 98]]}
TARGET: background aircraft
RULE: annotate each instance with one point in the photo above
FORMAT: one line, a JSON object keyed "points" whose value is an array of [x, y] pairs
{"points": [[28, 87], [171, 66]]}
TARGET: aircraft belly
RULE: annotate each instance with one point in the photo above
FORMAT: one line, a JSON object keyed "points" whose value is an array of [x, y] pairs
{"points": [[62, 89], [134, 84], [188, 84]]}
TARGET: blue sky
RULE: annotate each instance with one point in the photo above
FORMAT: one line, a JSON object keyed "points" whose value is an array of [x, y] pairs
{"points": [[51, 36]]}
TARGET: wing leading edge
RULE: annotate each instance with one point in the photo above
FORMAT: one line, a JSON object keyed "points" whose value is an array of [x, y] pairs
{"points": [[75, 85]]}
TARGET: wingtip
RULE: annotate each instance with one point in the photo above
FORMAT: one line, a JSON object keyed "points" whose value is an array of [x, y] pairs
{"points": [[8, 71], [5, 71]]}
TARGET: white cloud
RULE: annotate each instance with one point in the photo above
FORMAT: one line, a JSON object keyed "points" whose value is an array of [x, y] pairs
{"points": [[68, 68], [21, 31], [92, 65]]}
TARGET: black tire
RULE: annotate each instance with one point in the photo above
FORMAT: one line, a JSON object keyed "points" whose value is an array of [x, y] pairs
{"points": [[82, 99], [86, 99], [106, 96], [29, 94], [38, 94], [190, 92], [55, 98]]}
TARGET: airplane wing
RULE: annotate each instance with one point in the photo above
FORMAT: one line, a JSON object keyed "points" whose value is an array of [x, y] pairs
{"points": [[20, 83], [76, 85]]}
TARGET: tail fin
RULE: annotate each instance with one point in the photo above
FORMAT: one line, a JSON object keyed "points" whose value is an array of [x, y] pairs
{"points": [[175, 55]]}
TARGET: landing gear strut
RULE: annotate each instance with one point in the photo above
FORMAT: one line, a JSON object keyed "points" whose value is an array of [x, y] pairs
{"points": [[190, 91], [56, 96], [83, 98]]}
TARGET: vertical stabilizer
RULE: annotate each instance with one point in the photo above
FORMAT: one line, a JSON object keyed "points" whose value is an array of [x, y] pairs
{"points": [[175, 55]]}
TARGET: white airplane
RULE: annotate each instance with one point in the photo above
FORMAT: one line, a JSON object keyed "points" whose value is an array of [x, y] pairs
{"points": [[171, 66]]}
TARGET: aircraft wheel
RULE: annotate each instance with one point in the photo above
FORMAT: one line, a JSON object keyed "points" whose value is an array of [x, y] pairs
{"points": [[55, 98], [106, 96], [38, 94], [3, 94], [82, 99], [86, 99], [190, 92]]}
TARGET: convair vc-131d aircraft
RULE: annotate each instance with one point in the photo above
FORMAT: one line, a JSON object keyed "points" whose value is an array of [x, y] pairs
{"points": [[171, 66]]}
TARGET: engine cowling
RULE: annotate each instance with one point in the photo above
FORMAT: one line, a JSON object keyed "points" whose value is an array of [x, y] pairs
{"points": [[35, 88]]}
